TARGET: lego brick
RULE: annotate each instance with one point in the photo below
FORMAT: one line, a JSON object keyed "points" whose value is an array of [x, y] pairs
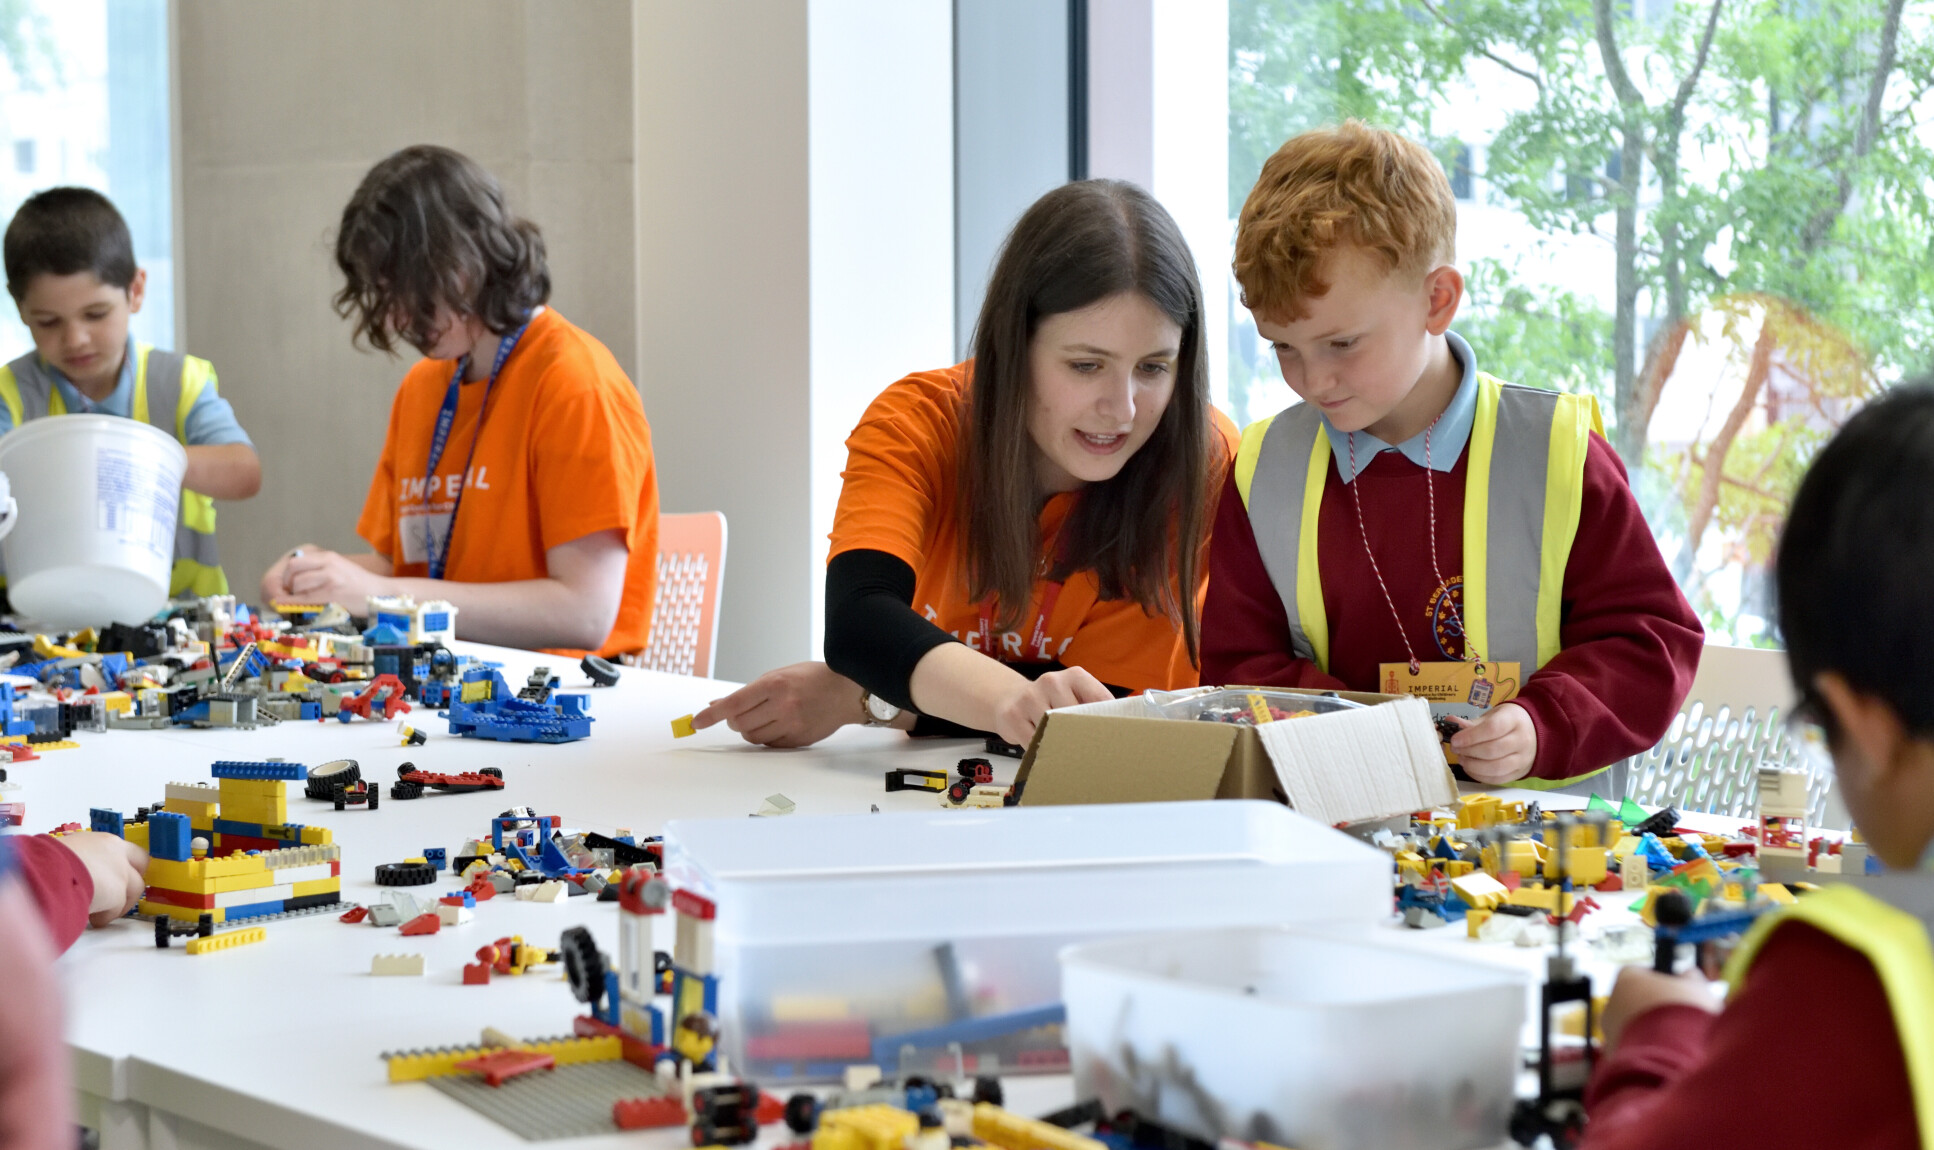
{"points": [[454, 915], [301, 874], [253, 910], [253, 788], [200, 815], [227, 940], [682, 727], [106, 821], [418, 1065], [193, 792], [267, 812], [315, 835], [182, 899], [317, 886], [396, 964], [168, 836], [263, 770], [148, 908]]}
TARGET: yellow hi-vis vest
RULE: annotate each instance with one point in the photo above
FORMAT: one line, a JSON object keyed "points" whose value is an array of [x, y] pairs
{"points": [[1523, 489], [29, 393], [1888, 919]]}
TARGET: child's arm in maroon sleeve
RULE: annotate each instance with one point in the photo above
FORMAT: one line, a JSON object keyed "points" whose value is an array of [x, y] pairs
{"points": [[1805, 1055], [60, 885], [1630, 641], [1245, 631]]}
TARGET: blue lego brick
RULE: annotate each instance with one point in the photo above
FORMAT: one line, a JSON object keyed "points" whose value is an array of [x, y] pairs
{"points": [[168, 835], [106, 821], [234, 770], [436, 620], [189, 714], [311, 710], [114, 666], [275, 906], [437, 856]]}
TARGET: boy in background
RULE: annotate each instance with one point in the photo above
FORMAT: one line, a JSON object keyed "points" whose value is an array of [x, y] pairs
{"points": [[1465, 522], [1827, 1038], [71, 271]]}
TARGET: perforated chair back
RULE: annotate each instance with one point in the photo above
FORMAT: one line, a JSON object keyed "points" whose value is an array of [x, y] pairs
{"points": [[1732, 724], [691, 578]]}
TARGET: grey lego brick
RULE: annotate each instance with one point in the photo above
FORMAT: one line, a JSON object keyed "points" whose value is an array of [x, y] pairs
{"points": [[568, 1102]]}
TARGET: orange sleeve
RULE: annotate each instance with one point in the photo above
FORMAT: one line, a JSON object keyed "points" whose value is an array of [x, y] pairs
{"points": [[377, 524], [899, 464], [590, 453]]}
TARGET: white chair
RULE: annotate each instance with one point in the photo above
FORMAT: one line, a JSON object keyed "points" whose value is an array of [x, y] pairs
{"points": [[1732, 724]]}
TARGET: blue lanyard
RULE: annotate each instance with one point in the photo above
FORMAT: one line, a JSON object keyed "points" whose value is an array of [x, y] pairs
{"points": [[441, 436]]}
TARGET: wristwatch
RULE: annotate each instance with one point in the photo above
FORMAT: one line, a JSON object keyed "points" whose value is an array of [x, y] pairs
{"points": [[879, 712]]}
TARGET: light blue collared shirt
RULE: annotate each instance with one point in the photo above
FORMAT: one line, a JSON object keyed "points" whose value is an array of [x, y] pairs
{"points": [[210, 421], [1447, 436]]}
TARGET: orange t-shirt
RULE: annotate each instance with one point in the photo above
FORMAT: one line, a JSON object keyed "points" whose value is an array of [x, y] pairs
{"points": [[901, 477], [564, 452]]}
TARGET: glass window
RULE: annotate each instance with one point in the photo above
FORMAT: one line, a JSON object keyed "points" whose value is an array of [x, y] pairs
{"points": [[84, 100], [1715, 218]]}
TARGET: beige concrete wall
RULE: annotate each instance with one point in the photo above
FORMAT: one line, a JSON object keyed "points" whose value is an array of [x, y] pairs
{"points": [[282, 108]]}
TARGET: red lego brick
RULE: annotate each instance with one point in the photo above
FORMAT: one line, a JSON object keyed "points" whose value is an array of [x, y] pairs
{"points": [[452, 900], [1612, 884], [179, 898], [421, 924], [696, 906], [832, 1041], [482, 890], [651, 1113], [637, 1051], [476, 974], [335, 868], [503, 1065], [353, 914], [769, 1110]]}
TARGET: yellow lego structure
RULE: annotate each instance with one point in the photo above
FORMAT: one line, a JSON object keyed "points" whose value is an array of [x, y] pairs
{"points": [[1010, 1131], [416, 1065], [227, 940], [876, 1127]]}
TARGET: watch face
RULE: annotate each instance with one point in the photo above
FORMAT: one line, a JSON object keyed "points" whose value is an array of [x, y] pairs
{"points": [[881, 710]]}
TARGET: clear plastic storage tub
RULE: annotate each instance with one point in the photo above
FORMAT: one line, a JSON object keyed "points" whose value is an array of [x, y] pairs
{"points": [[1296, 1039], [835, 934], [1245, 706]]}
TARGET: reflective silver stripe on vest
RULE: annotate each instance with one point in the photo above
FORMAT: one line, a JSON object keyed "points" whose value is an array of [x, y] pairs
{"points": [[1516, 518], [1514, 514], [35, 386], [1276, 508], [164, 389]]}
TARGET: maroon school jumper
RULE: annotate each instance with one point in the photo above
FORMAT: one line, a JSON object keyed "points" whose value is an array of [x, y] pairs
{"points": [[1805, 1055], [1630, 640], [59, 884]]}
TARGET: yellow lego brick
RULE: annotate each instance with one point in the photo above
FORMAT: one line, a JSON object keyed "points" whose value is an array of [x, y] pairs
{"points": [[682, 727], [61, 745], [1777, 893], [264, 788], [1479, 890], [268, 812], [136, 833], [1586, 864], [1477, 811], [1456, 867], [1625, 845], [243, 881], [875, 1127], [415, 1066], [1010, 1131], [198, 813], [158, 909], [117, 702], [227, 940], [476, 691], [315, 836], [1524, 856], [175, 875], [318, 886], [1473, 919], [1545, 898]]}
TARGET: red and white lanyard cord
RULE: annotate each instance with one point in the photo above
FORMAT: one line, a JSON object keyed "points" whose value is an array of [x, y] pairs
{"points": [[1430, 499]]}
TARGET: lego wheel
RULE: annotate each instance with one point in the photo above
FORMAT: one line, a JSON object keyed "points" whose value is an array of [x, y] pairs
{"points": [[402, 791], [802, 1113], [987, 1088], [341, 795], [404, 770], [375, 793], [405, 874], [493, 772], [583, 965], [328, 775], [600, 671]]}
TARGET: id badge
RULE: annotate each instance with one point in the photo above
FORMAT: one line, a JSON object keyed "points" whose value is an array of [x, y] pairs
{"points": [[1465, 690], [423, 534]]}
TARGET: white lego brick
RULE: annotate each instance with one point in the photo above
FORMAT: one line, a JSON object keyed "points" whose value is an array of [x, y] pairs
{"points": [[298, 874], [193, 792], [449, 915], [252, 895], [396, 964]]}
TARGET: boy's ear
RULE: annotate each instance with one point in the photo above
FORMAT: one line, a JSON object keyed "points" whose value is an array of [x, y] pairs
{"points": [[1444, 288], [137, 290], [1866, 721]]}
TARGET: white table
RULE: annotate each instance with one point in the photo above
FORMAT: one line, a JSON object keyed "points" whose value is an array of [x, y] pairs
{"points": [[276, 1044]]}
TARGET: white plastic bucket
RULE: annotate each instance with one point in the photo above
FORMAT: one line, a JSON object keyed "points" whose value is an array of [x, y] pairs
{"points": [[95, 541]]}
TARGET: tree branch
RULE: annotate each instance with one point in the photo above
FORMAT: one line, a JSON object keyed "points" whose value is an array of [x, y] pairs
{"points": [[1622, 86], [1864, 132], [1485, 52], [1691, 81]]}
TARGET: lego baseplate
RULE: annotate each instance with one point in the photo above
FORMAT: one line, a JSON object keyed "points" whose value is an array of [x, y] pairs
{"points": [[568, 1102], [255, 919]]}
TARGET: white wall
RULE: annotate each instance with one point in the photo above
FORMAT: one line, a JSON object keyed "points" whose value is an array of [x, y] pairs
{"points": [[1158, 110], [795, 224]]}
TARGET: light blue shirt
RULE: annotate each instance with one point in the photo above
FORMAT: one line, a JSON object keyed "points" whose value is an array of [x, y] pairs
{"points": [[1447, 436], [210, 421]]}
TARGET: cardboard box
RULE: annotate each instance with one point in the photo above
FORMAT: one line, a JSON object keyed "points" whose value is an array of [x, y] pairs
{"points": [[1372, 763]]}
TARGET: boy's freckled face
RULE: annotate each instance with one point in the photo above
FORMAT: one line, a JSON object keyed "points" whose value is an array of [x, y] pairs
{"points": [[80, 325], [1361, 347]]}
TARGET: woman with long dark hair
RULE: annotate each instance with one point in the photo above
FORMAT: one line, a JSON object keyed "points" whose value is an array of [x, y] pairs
{"points": [[1024, 530]]}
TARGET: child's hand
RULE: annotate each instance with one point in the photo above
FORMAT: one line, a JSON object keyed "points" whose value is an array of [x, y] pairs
{"points": [[1640, 989], [793, 706], [118, 868], [318, 575], [275, 581], [1499, 748]]}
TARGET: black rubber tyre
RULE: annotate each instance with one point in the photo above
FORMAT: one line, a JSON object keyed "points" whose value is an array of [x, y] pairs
{"points": [[493, 772], [404, 769], [600, 671], [375, 794], [401, 791], [326, 775], [405, 874], [341, 795], [583, 965], [802, 1113]]}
